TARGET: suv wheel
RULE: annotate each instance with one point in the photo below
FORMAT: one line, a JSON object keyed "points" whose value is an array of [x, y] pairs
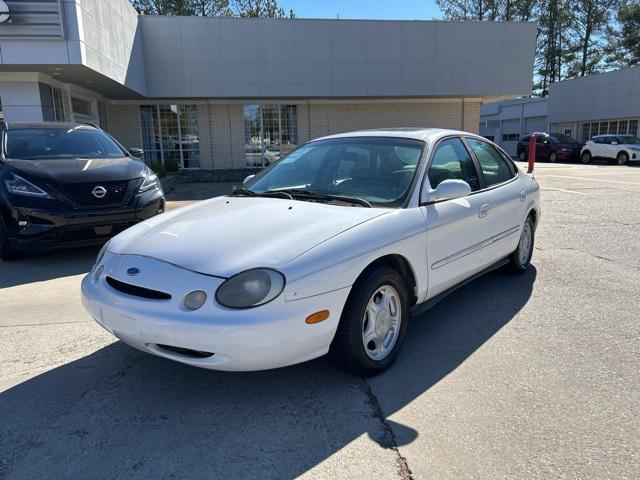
{"points": [[622, 158], [586, 158], [522, 156], [553, 158], [373, 324]]}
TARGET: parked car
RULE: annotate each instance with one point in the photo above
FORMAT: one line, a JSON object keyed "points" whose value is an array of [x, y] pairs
{"points": [[64, 184], [620, 149], [553, 148], [328, 250]]}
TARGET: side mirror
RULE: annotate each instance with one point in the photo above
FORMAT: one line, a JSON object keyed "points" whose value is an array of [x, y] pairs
{"points": [[447, 190], [247, 179], [136, 152]]}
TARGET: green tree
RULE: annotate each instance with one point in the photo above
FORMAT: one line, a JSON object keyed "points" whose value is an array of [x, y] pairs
{"points": [[260, 8], [212, 8], [588, 26], [624, 37]]}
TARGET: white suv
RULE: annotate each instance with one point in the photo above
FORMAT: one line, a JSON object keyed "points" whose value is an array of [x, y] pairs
{"points": [[620, 148]]}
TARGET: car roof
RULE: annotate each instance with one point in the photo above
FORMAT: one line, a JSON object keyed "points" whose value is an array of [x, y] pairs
{"points": [[424, 134], [50, 125]]}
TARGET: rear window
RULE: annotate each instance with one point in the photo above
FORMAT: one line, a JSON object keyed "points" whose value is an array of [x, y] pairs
{"points": [[58, 143]]}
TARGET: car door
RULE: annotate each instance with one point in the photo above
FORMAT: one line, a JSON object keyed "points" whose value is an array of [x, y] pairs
{"points": [[455, 228], [506, 198], [597, 149], [610, 147]]}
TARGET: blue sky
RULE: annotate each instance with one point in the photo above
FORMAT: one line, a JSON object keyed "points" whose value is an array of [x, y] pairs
{"points": [[374, 9]]}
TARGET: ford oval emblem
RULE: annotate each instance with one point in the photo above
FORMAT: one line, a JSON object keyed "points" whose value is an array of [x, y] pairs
{"points": [[133, 271]]}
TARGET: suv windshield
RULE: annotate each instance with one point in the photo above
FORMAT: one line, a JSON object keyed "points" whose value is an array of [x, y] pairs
{"points": [[629, 139], [565, 138], [378, 170], [57, 143]]}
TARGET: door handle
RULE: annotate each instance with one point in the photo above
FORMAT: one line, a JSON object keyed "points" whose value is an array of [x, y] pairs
{"points": [[484, 210], [523, 195]]}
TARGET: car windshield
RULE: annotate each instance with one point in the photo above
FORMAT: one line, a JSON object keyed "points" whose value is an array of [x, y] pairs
{"points": [[629, 139], [58, 143], [378, 170], [565, 138]]}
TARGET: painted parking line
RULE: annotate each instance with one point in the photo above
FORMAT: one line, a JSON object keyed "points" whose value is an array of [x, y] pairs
{"points": [[594, 179], [563, 190]]}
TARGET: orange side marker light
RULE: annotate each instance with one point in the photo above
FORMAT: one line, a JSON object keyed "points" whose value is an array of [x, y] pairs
{"points": [[317, 317]]}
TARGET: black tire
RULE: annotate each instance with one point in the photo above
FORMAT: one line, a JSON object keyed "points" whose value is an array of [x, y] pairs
{"points": [[522, 156], [517, 263], [7, 253], [553, 157], [586, 158], [622, 159], [348, 349]]}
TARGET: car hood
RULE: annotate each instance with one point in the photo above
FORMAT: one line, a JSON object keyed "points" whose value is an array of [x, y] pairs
{"points": [[226, 235], [70, 170]]}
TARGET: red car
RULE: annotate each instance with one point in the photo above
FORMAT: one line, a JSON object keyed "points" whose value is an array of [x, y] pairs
{"points": [[553, 148]]}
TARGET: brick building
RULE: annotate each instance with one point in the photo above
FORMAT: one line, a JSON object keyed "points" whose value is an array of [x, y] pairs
{"points": [[231, 93]]}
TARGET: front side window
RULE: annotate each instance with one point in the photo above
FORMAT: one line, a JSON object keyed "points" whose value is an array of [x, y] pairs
{"points": [[494, 166], [451, 161], [379, 170], [51, 144]]}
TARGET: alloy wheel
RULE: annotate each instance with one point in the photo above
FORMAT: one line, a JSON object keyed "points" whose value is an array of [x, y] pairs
{"points": [[621, 158]]}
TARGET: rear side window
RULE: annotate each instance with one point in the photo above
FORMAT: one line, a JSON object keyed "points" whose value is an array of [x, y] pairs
{"points": [[494, 167], [451, 161]]}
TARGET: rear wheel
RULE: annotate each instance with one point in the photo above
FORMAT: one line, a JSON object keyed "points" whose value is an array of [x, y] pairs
{"points": [[586, 158], [520, 259], [622, 158], [373, 323], [553, 158], [522, 156]]}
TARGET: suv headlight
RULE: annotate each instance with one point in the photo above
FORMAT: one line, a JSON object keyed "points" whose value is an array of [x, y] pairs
{"points": [[150, 181], [251, 288], [20, 186]]}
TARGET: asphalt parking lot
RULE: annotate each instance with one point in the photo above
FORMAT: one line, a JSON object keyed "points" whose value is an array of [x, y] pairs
{"points": [[533, 376]]}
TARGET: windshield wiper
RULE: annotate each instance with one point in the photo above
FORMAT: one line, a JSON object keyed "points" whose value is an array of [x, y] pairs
{"points": [[301, 192], [245, 192]]}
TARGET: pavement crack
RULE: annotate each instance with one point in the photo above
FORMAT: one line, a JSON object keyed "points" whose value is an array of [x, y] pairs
{"points": [[389, 438]]}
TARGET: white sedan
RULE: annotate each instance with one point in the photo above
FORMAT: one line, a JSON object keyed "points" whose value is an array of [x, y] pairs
{"points": [[330, 250]]}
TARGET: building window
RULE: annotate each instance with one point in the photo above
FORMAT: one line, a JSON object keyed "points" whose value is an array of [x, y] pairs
{"points": [[58, 106], [633, 127], [102, 115], [81, 107], [170, 134], [489, 137], [510, 137], [614, 127], [270, 131], [568, 132]]}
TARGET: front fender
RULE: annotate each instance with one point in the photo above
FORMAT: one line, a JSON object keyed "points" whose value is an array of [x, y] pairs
{"points": [[339, 261]]}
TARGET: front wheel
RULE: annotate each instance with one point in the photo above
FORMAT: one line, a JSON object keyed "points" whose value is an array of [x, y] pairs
{"points": [[622, 158], [553, 158], [522, 156], [373, 323], [6, 251], [520, 259], [586, 158]]}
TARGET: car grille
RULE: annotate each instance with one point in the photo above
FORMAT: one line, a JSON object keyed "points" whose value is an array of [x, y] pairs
{"points": [[82, 194], [137, 291], [187, 352]]}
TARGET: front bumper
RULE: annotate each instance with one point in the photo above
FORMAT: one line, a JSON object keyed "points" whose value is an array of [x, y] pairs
{"points": [[270, 336], [36, 226]]}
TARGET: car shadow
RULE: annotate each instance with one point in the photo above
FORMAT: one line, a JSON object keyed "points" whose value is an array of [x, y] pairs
{"points": [[122, 413], [47, 266]]}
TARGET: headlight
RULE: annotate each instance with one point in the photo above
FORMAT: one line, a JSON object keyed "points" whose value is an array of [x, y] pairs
{"points": [[251, 288], [101, 253], [20, 186], [150, 181]]}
